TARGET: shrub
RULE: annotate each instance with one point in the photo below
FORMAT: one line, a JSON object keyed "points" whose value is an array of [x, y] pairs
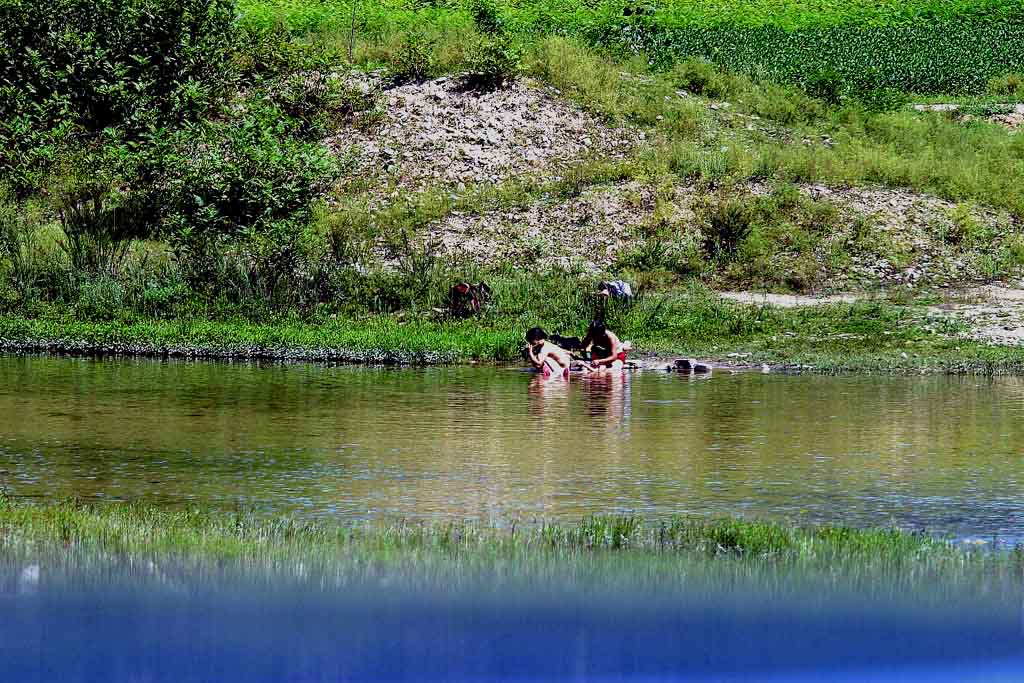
{"points": [[163, 300], [267, 53], [20, 251], [90, 65], [244, 180], [417, 257], [485, 16], [493, 61], [729, 223], [100, 297], [1013, 252], [881, 99], [1011, 85], [318, 103], [965, 229], [700, 77], [828, 85], [414, 62], [98, 219], [347, 235]]}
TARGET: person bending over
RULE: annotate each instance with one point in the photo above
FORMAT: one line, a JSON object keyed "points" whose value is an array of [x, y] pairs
{"points": [[606, 351], [548, 358]]}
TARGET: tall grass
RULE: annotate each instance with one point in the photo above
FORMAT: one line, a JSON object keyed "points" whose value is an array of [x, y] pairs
{"points": [[627, 550]]}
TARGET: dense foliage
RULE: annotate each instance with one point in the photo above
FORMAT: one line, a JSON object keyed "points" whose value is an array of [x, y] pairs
{"points": [[917, 46], [72, 68], [125, 120]]}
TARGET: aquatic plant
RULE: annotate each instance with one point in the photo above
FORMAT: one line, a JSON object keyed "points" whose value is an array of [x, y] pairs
{"points": [[627, 551]]}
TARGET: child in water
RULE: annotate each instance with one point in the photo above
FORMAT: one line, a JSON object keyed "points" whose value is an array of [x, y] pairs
{"points": [[548, 358], [606, 351]]}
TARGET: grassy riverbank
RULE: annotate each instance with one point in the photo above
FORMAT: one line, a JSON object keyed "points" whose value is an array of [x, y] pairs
{"points": [[304, 207], [623, 548], [868, 336]]}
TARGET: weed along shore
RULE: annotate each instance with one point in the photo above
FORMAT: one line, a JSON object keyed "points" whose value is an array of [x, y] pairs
{"points": [[894, 560], [859, 337]]}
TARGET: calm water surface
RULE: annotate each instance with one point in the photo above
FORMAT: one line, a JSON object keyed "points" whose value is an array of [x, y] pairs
{"points": [[937, 453]]}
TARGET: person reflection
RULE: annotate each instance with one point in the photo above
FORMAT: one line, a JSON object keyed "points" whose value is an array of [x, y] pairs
{"points": [[548, 396], [606, 393]]}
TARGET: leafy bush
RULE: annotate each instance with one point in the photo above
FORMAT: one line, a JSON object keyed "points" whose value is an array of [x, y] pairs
{"points": [[100, 297], [827, 85], [417, 257], [485, 16], [129, 64], [700, 77], [965, 229], [775, 241], [728, 224], [162, 300], [269, 52], [414, 62], [318, 103], [244, 180], [1011, 85], [21, 256], [1013, 252], [99, 221], [493, 61], [881, 99]]}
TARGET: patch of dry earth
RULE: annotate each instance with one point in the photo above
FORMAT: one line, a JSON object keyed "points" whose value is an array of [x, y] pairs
{"points": [[788, 300], [994, 313], [584, 233], [438, 133]]}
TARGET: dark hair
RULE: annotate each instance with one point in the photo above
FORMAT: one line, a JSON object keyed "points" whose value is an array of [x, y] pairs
{"points": [[596, 329], [535, 334]]}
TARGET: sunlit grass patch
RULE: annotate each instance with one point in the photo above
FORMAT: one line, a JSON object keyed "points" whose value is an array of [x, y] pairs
{"points": [[675, 554]]}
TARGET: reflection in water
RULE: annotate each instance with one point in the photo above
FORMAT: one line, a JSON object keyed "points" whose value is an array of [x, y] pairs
{"points": [[131, 625], [547, 393], [937, 453], [607, 393]]}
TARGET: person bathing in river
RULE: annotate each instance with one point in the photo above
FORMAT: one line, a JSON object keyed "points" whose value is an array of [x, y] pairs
{"points": [[606, 351], [545, 356]]}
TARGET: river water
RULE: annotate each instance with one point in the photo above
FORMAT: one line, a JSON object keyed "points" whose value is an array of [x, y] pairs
{"points": [[941, 454]]}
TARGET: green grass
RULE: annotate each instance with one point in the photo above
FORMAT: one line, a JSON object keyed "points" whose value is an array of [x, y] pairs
{"points": [[377, 338], [919, 46], [564, 14], [626, 550], [869, 336]]}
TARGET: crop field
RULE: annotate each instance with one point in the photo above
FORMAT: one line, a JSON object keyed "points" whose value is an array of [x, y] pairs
{"points": [[923, 46]]}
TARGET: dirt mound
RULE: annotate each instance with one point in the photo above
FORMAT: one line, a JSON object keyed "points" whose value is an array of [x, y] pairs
{"points": [[893, 236], [438, 133], [913, 238], [585, 232]]}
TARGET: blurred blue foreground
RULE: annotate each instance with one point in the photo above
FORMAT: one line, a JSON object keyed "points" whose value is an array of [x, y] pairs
{"points": [[250, 634]]}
